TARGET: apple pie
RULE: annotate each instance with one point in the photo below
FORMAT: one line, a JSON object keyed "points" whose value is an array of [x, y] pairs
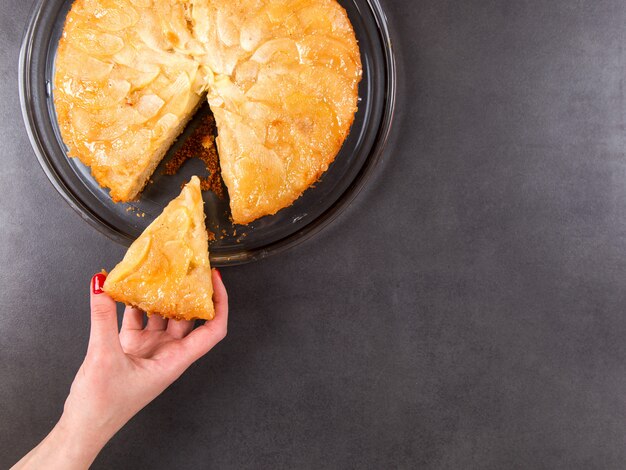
{"points": [[281, 77], [166, 271]]}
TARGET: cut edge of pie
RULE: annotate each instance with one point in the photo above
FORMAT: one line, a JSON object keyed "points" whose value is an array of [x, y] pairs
{"points": [[166, 270], [129, 190]]}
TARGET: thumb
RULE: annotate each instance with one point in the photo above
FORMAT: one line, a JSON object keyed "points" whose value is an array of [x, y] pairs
{"points": [[104, 332]]}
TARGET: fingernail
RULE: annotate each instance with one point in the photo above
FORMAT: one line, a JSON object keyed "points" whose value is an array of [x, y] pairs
{"points": [[97, 282], [218, 273]]}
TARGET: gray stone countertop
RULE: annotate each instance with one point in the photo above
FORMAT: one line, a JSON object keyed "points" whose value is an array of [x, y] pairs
{"points": [[466, 311]]}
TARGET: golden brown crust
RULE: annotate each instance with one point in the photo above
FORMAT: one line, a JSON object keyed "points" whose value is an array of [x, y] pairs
{"points": [[123, 92], [282, 80], [283, 99], [166, 270]]}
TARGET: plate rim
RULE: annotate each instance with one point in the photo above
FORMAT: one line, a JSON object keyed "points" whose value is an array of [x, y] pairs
{"points": [[279, 246]]}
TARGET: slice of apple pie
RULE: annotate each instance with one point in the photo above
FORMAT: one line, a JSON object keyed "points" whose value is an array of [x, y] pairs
{"points": [[166, 271]]}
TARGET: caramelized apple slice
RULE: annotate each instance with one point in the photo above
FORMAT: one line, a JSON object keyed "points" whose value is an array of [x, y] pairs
{"points": [[166, 271]]}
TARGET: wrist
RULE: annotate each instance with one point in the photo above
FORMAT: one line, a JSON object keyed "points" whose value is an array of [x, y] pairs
{"points": [[87, 424], [71, 447], [78, 441], [64, 447]]}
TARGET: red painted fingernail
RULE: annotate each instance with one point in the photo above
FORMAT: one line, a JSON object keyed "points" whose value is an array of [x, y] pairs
{"points": [[97, 282], [218, 273]]}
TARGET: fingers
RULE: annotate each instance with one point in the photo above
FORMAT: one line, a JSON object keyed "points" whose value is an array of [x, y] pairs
{"points": [[156, 322], [179, 328], [104, 332], [220, 296], [204, 338], [133, 319]]}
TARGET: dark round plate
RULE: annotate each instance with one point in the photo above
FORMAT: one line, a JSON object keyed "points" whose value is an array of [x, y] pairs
{"points": [[317, 207]]}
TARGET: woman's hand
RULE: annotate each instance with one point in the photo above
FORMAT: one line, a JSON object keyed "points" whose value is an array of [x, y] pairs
{"points": [[123, 372]]}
